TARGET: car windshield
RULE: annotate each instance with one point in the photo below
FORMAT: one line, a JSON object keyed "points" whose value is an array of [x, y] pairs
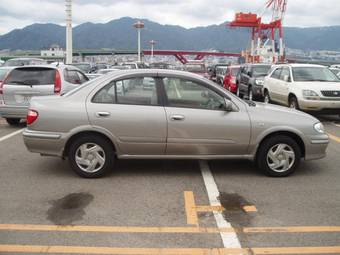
{"points": [[195, 68], [261, 70], [314, 74]]}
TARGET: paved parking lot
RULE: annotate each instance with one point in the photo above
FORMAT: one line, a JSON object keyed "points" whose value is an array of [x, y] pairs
{"points": [[167, 207]]}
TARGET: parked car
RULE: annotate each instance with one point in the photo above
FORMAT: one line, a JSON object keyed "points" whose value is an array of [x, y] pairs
{"points": [[197, 67], [184, 116], [22, 83], [86, 67], [303, 86], [229, 81], [250, 80], [220, 74], [25, 62], [107, 70], [135, 65], [212, 71]]}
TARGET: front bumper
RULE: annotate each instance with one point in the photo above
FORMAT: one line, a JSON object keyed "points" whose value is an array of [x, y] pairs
{"points": [[13, 111], [257, 91], [317, 147], [45, 143], [320, 105]]}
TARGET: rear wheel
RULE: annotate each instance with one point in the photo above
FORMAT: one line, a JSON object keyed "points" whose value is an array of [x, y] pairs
{"points": [[278, 156], [238, 92], [13, 121], [266, 97], [91, 156]]}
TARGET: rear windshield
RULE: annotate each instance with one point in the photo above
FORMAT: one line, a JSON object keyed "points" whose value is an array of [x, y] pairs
{"points": [[31, 76]]}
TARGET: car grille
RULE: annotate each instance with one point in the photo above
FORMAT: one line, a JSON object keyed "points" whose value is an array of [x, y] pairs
{"points": [[331, 93]]}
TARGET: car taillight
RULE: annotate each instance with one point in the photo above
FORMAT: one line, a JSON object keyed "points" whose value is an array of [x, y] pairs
{"points": [[32, 116], [57, 83]]}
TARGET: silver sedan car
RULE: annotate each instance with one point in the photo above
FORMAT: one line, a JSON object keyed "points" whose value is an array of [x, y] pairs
{"points": [[179, 116]]}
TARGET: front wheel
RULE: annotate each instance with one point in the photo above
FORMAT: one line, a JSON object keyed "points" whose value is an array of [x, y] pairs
{"points": [[91, 156], [266, 97], [278, 156]]}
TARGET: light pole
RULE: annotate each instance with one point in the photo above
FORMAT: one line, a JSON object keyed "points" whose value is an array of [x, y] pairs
{"points": [[152, 42], [69, 51], [139, 25]]}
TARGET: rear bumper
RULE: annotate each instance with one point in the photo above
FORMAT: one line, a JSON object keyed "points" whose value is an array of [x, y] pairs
{"points": [[13, 111], [46, 143]]}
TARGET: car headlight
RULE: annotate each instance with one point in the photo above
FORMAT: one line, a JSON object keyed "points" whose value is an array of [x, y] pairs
{"points": [[259, 82], [319, 128], [310, 94]]}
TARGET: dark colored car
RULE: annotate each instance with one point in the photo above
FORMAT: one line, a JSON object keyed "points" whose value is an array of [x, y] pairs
{"points": [[212, 71], [229, 82], [250, 80]]}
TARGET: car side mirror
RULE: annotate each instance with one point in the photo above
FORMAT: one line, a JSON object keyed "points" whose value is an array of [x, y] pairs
{"points": [[228, 105], [286, 78]]}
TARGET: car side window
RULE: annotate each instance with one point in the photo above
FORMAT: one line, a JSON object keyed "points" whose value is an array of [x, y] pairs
{"points": [[285, 72], [105, 95], [188, 94], [71, 76], [276, 73], [137, 91], [82, 77]]}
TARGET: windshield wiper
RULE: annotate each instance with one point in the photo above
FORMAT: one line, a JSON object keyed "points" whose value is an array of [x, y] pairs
{"points": [[20, 83]]}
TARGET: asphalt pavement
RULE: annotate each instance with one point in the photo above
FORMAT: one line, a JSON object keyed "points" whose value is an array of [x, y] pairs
{"points": [[167, 206]]}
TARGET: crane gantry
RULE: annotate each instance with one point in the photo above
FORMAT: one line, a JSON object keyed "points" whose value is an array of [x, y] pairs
{"points": [[261, 32]]}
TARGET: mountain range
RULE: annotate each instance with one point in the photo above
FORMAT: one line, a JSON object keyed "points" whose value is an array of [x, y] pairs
{"points": [[119, 34]]}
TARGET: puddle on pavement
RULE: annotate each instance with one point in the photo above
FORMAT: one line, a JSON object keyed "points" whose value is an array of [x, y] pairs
{"points": [[68, 209], [234, 213]]}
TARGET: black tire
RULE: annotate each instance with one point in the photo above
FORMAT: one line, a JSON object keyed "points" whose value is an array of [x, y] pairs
{"points": [[107, 152], [263, 151], [250, 94], [266, 97], [13, 121], [293, 103], [238, 92]]}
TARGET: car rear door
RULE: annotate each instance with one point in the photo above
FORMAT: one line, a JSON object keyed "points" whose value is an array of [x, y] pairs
{"points": [[25, 82], [133, 113], [198, 123]]}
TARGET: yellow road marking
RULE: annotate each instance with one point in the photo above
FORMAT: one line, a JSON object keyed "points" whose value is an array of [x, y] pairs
{"points": [[334, 137], [190, 208], [166, 251], [168, 230], [249, 208]]}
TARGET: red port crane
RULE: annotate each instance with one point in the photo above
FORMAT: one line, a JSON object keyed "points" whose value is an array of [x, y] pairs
{"points": [[262, 31]]}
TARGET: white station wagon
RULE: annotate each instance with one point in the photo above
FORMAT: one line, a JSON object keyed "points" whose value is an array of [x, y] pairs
{"points": [[303, 86]]}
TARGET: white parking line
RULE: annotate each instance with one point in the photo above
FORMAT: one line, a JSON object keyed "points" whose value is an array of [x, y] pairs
{"points": [[10, 135], [230, 240]]}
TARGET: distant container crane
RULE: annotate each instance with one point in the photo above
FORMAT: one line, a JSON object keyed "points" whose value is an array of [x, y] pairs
{"points": [[261, 32]]}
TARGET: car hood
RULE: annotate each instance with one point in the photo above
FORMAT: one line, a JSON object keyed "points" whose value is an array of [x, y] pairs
{"points": [[280, 114], [318, 85]]}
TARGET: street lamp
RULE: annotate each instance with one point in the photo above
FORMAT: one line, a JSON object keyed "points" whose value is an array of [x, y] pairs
{"points": [[69, 51], [152, 42], [139, 25]]}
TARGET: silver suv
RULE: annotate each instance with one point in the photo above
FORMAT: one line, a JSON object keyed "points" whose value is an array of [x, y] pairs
{"points": [[178, 115], [22, 83]]}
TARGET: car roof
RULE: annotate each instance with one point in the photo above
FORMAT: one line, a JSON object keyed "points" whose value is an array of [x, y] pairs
{"points": [[300, 65], [59, 67]]}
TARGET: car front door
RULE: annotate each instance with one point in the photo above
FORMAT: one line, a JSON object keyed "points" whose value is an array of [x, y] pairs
{"points": [[284, 83], [273, 81], [131, 111], [198, 123]]}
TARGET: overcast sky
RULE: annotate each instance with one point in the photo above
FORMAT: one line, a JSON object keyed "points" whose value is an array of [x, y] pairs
{"points": [[186, 13]]}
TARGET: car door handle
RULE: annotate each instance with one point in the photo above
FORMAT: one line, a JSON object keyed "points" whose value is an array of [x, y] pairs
{"points": [[103, 114], [177, 117]]}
